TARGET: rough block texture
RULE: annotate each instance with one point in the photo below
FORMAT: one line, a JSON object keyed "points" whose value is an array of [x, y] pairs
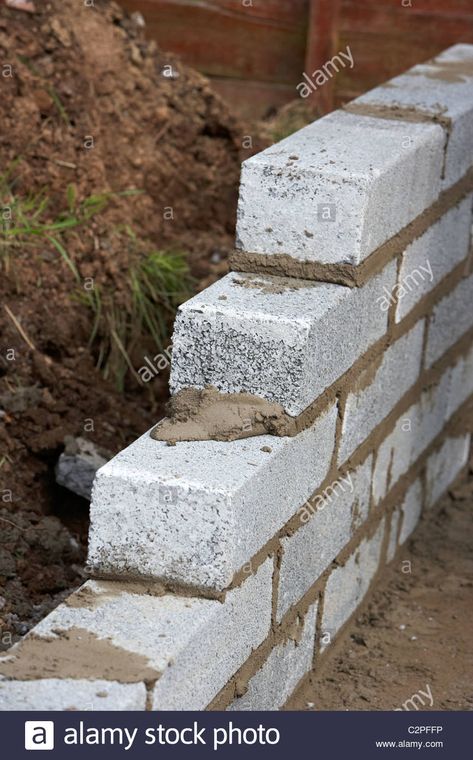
{"points": [[444, 465], [461, 386], [187, 644], [398, 371], [281, 340], [204, 667], [429, 415], [68, 694], [381, 468], [451, 318], [411, 510], [348, 584], [432, 256], [441, 89], [272, 686], [196, 512], [412, 433], [328, 525], [393, 532], [339, 188]]}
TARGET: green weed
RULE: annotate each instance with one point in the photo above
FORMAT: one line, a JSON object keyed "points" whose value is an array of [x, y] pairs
{"points": [[24, 219], [141, 317], [123, 323]]}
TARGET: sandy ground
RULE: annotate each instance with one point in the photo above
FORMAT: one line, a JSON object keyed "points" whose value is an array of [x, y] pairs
{"points": [[414, 637]]}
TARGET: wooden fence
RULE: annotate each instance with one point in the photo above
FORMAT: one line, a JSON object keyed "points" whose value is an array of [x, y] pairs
{"points": [[255, 51]]}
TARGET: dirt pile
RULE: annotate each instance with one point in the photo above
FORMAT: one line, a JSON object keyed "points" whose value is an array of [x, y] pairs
{"points": [[88, 100], [90, 111]]}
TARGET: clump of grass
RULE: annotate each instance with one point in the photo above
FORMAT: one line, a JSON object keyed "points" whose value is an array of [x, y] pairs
{"points": [[25, 218], [141, 316], [124, 323]]}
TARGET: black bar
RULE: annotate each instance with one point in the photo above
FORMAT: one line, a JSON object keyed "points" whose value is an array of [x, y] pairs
{"points": [[327, 735]]}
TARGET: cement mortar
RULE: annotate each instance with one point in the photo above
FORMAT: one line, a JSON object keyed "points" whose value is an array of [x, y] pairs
{"points": [[207, 414]]}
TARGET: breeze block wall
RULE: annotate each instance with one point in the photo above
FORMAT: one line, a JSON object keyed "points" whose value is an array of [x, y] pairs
{"points": [[224, 571]]}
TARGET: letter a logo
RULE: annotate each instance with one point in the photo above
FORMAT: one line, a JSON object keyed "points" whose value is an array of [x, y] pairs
{"points": [[39, 734]]}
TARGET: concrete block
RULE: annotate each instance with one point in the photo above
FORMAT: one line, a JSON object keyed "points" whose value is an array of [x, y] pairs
{"points": [[193, 679], [444, 465], [393, 533], [413, 432], [381, 470], [61, 694], [348, 584], [441, 90], [196, 512], [451, 318], [427, 260], [396, 453], [329, 522], [380, 389], [431, 414], [130, 634], [461, 386], [280, 339], [272, 686], [110, 631], [411, 510], [337, 189]]}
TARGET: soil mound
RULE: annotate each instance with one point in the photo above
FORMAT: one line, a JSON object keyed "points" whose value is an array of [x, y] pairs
{"points": [[111, 152]]}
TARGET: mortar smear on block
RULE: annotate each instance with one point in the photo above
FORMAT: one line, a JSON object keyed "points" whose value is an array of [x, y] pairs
{"points": [[205, 415]]}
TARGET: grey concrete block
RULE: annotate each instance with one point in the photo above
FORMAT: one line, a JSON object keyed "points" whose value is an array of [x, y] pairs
{"points": [[441, 89], [62, 694], [116, 632], [348, 584], [337, 189], [287, 663], [444, 465], [381, 469], [393, 533], [196, 512], [451, 318], [411, 509], [431, 414], [203, 668], [413, 432], [279, 339], [111, 632], [427, 260], [329, 522], [397, 372], [461, 386]]}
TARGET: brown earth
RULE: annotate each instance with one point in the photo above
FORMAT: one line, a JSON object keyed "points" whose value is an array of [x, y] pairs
{"points": [[84, 101], [414, 635]]}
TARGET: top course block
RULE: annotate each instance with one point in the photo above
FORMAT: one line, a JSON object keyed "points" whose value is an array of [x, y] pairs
{"points": [[335, 191], [440, 90]]}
